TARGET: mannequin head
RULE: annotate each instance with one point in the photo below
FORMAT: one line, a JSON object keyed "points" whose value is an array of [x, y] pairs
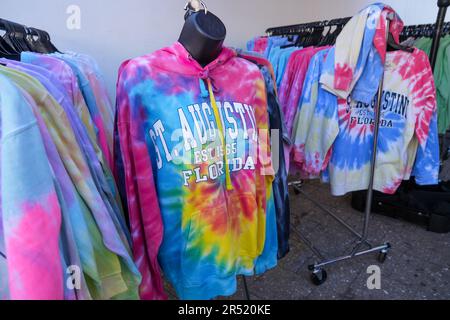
{"points": [[203, 35]]}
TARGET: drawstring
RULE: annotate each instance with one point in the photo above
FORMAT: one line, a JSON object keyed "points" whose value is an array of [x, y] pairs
{"points": [[221, 131], [203, 91]]}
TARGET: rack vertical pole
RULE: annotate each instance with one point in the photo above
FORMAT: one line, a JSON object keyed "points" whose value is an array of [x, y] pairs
{"points": [[247, 291], [377, 117]]}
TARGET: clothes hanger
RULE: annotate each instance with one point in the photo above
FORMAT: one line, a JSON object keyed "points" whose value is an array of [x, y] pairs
{"points": [[19, 34], [303, 39], [34, 42], [40, 39], [325, 39], [3, 44], [317, 36], [15, 36], [6, 37], [333, 36], [306, 38], [48, 41], [392, 45], [6, 50]]}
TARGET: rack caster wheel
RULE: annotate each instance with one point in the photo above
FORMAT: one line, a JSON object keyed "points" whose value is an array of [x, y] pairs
{"points": [[296, 191], [383, 255], [319, 277]]}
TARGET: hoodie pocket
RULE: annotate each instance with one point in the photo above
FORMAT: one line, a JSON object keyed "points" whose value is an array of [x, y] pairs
{"points": [[210, 248], [249, 226]]}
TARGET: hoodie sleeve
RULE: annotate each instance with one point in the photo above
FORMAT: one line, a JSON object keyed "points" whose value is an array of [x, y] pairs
{"points": [[355, 67], [343, 61], [264, 179], [423, 91], [31, 215], [426, 168], [143, 207]]}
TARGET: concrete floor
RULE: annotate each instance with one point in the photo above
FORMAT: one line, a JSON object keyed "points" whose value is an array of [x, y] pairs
{"points": [[417, 267]]}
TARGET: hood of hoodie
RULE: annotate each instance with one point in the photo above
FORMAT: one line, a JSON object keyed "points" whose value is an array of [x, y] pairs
{"points": [[176, 58]]}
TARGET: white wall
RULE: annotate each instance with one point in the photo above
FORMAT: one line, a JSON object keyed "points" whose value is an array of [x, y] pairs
{"points": [[114, 30]]}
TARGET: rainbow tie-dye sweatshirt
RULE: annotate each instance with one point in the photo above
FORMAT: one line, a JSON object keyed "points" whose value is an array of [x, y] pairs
{"points": [[172, 114], [333, 134], [407, 108], [30, 212], [337, 134]]}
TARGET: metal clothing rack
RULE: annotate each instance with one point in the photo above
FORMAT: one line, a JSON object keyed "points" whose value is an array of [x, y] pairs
{"points": [[423, 30], [363, 246], [443, 6], [298, 28]]}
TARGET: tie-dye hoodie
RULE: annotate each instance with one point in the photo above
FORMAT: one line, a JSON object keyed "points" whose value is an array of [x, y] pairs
{"points": [[113, 235], [407, 137], [67, 78], [354, 66], [407, 109], [172, 113], [315, 126], [30, 212]]}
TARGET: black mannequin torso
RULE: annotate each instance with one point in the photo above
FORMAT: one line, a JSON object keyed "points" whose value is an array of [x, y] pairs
{"points": [[203, 35]]}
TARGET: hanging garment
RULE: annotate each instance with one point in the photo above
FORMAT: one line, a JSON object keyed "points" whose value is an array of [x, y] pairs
{"points": [[94, 67], [315, 127], [282, 62], [251, 44], [90, 69], [70, 253], [119, 173], [98, 172], [4, 279], [408, 105], [280, 184], [275, 42], [173, 114], [109, 287], [89, 97], [68, 79], [279, 58], [115, 238], [146, 234], [427, 166], [354, 67], [31, 215], [63, 74], [291, 90], [261, 45]]}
